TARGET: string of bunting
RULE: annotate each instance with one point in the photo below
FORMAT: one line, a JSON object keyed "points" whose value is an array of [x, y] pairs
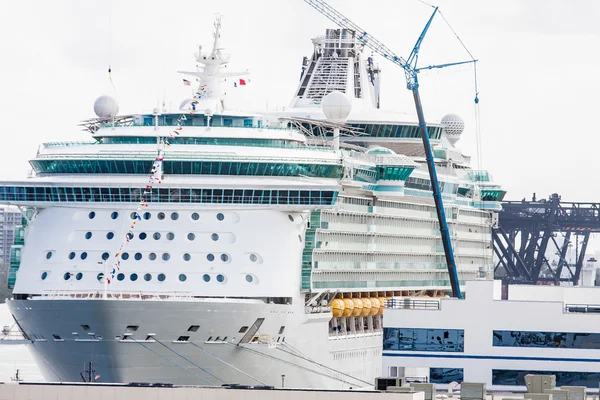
{"points": [[154, 178]]}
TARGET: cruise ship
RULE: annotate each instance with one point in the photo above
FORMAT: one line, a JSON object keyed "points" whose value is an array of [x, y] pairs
{"points": [[209, 246]]}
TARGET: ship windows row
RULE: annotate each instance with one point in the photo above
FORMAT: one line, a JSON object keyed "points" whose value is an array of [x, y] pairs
{"points": [[148, 215], [133, 277], [180, 167], [191, 236], [166, 195], [224, 257], [424, 339], [563, 340]]}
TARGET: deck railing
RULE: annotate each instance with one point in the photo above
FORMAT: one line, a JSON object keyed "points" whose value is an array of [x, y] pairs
{"points": [[412, 304]]}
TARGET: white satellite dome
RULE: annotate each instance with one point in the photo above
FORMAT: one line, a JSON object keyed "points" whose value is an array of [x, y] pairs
{"points": [[336, 106], [453, 126], [106, 107]]}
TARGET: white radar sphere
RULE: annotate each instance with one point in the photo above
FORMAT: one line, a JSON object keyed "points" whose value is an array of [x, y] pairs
{"points": [[336, 106], [106, 107], [453, 127]]}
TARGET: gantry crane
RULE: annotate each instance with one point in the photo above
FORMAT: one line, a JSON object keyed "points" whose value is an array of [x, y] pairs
{"points": [[412, 83]]}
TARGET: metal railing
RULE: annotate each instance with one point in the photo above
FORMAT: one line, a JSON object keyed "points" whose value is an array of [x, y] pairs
{"points": [[412, 304], [583, 308], [121, 295]]}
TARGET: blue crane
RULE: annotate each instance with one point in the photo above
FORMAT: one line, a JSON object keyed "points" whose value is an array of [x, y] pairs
{"points": [[412, 83]]}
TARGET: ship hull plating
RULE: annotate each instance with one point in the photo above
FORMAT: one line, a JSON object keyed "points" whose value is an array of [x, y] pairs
{"points": [[69, 334]]}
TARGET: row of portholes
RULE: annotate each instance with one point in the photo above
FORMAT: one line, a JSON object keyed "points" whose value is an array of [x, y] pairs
{"points": [[161, 216], [148, 277], [152, 256], [156, 236]]}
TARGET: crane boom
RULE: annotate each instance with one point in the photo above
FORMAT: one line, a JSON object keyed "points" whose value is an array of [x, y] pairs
{"points": [[410, 70]]}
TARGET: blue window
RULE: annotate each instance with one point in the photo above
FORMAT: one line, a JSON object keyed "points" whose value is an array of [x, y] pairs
{"points": [[138, 256], [121, 276], [71, 255], [170, 236], [220, 278], [563, 340], [114, 215], [206, 278], [79, 276], [83, 255], [191, 236], [134, 215], [125, 256], [214, 237], [48, 255], [44, 275], [88, 235], [423, 339], [161, 216], [67, 276], [507, 377], [105, 256], [187, 257], [446, 375], [249, 278], [92, 215], [174, 216], [166, 256], [195, 216], [156, 235], [182, 277], [210, 257], [220, 216], [133, 277], [110, 235], [147, 277], [100, 277], [142, 235], [152, 256], [161, 277], [224, 257], [147, 215], [129, 235]]}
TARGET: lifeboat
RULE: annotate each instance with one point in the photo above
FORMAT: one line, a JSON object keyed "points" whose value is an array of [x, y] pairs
{"points": [[381, 305], [374, 306], [348, 307], [358, 306], [337, 307], [366, 302]]}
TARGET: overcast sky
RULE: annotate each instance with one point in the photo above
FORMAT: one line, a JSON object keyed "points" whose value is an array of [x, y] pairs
{"points": [[538, 71]]}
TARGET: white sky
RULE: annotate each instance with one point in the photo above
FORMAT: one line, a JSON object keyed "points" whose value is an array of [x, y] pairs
{"points": [[538, 71]]}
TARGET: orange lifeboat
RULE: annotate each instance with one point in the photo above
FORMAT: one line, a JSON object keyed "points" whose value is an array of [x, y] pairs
{"points": [[374, 306], [366, 302], [337, 307], [358, 306], [348, 307], [381, 305]]}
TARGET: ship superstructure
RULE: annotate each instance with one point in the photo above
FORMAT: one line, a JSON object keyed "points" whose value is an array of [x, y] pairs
{"points": [[266, 251]]}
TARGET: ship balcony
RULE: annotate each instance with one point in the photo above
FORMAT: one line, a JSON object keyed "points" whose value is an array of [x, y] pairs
{"points": [[19, 235]]}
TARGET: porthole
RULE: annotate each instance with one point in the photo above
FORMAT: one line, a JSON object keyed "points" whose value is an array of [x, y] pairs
{"points": [[170, 236], [83, 255], [182, 277], [253, 257], [210, 257], [44, 275], [152, 256], [110, 235], [147, 215], [220, 216], [220, 278], [214, 237], [147, 277], [142, 235], [129, 235], [121, 276], [133, 277], [114, 215], [79, 276], [174, 216], [71, 255], [224, 257], [187, 257], [48, 255], [249, 278], [206, 278], [191, 236], [291, 217], [161, 277], [166, 256], [100, 277], [300, 238], [105, 256], [138, 256], [125, 256], [67, 276], [88, 235], [134, 215], [195, 216], [92, 215], [156, 235], [160, 215]]}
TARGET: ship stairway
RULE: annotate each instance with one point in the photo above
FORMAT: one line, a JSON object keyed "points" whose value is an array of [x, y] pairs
{"points": [[330, 74], [250, 335], [13, 335]]}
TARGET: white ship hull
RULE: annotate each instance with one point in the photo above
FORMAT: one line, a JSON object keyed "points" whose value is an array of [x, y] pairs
{"points": [[199, 361]]}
